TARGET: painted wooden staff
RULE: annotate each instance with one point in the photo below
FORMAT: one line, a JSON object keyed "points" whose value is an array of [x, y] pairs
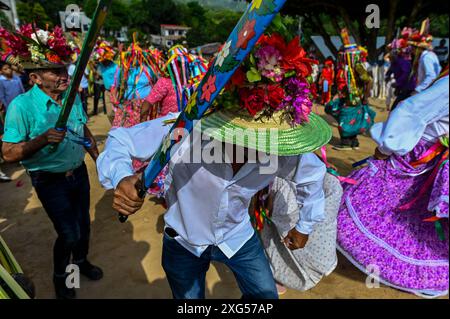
{"points": [[89, 43], [242, 39]]}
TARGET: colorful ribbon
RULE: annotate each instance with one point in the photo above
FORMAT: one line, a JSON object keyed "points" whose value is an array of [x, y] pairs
{"points": [[333, 171]]}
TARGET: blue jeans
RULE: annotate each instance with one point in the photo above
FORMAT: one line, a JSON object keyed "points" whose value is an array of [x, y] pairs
{"points": [[186, 272], [66, 201]]}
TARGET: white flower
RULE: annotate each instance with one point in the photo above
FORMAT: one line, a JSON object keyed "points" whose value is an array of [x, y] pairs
{"points": [[167, 143], [42, 35], [223, 54]]}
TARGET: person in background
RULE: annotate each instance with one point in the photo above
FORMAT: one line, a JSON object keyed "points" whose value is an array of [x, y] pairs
{"points": [[389, 89], [10, 88], [350, 107], [162, 97], [84, 86], [426, 63], [326, 80], [442, 52], [10, 85], [400, 74], [99, 89], [60, 178]]}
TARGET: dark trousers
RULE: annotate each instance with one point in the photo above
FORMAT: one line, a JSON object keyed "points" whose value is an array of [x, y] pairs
{"points": [[99, 92], [84, 99], [66, 201], [401, 96]]}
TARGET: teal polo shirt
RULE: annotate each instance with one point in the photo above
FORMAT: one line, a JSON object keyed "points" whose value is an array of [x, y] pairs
{"points": [[33, 113]]}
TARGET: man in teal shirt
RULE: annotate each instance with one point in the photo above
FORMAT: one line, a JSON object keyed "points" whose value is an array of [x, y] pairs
{"points": [[60, 178]]}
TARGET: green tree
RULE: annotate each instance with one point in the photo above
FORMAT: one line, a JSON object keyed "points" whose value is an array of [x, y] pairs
{"points": [[150, 14], [29, 12]]}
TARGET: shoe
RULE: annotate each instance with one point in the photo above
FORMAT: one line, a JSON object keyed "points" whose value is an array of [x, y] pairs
{"points": [[90, 271], [4, 178], [355, 145], [61, 290], [342, 147]]}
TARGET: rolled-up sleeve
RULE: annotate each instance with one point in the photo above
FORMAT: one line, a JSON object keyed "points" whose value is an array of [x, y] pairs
{"points": [[125, 144], [309, 179]]}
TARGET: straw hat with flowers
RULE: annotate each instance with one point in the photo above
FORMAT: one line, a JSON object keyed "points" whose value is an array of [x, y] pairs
{"points": [[269, 98], [35, 48]]}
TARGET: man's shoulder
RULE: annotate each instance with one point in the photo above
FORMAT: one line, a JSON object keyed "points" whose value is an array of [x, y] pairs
{"points": [[21, 102]]}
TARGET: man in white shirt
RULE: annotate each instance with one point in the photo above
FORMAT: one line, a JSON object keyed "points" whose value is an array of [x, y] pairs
{"points": [[84, 85], [429, 67], [208, 200]]}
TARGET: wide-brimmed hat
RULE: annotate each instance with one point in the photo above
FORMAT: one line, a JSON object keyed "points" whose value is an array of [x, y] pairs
{"points": [[273, 136], [422, 39], [267, 106], [35, 48]]}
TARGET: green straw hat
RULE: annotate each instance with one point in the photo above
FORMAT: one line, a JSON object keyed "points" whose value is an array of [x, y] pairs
{"points": [[272, 135]]}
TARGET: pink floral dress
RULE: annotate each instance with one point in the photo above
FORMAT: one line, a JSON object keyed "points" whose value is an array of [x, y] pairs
{"points": [[164, 93]]}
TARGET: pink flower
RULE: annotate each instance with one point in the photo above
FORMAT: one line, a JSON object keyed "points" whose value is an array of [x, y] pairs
{"points": [[269, 59]]}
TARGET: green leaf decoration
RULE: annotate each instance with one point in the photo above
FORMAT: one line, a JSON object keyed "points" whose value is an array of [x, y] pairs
{"points": [[228, 65], [252, 60], [253, 75], [290, 74]]}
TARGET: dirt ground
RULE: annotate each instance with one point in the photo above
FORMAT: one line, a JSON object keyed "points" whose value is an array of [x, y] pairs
{"points": [[130, 253]]}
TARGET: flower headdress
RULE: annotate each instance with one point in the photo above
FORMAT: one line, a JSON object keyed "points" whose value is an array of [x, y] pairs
{"points": [[103, 51], [39, 49], [274, 79], [422, 39], [401, 46], [267, 98]]}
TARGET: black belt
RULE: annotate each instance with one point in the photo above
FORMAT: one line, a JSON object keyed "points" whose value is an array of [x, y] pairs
{"points": [[44, 174]]}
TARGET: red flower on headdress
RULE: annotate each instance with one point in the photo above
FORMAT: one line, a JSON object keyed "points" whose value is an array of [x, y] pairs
{"points": [[238, 78], [275, 95], [54, 58], [252, 99], [246, 34], [209, 89], [294, 56]]}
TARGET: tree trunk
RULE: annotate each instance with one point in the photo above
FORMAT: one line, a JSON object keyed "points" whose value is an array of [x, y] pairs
{"points": [[335, 22], [317, 24], [391, 21], [372, 46], [417, 6]]}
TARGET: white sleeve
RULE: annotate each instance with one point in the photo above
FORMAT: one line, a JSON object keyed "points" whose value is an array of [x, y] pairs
{"points": [[124, 144], [71, 70], [310, 193], [430, 72], [407, 123]]}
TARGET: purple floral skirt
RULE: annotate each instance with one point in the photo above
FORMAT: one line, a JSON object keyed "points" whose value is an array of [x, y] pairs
{"points": [[379, 237]]}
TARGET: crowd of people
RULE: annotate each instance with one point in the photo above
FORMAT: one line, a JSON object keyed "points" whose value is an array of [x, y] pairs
{"points": [[275, 230]]}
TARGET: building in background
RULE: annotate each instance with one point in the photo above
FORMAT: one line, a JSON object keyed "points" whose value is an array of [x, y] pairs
{"points": [[11, 14], [80, 25], [170, 34]]}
